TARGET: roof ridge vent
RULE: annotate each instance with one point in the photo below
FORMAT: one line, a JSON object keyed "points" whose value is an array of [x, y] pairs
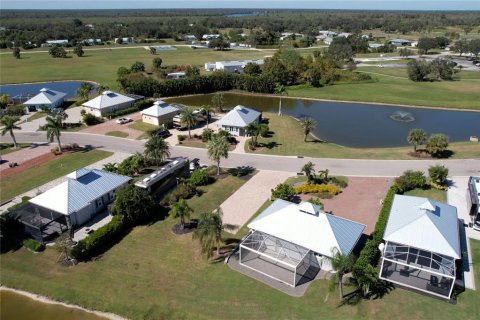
{"points": [[427, 206]]}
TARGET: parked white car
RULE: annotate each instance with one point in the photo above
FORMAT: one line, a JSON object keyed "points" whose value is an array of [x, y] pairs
{"points": [[123, 120]]}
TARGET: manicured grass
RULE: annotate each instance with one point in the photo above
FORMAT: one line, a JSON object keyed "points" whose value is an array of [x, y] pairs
{"points": [[142, 126], [37, 115], [8, 147], [288, 140], [34, 177], [432, 193], [119, 134], [158, 275], [393, 86], [101, 65]]}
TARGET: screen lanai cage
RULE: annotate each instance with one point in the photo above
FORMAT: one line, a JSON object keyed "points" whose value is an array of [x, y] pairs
{"points": [[278, 259]]}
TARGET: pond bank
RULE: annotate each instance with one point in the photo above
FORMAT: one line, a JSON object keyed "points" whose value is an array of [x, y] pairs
{"points": [[42, 299]]}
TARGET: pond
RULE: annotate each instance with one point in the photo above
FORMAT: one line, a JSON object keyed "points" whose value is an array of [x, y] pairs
{"points": [[359, 125], [17, 306], [68, 87]]}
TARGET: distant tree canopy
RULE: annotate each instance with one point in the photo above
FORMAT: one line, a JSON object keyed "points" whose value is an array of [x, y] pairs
{"points": [[39, 25]]}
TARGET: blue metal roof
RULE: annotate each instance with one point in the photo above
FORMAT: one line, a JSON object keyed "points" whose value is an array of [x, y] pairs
{"points": [[346, 232]]}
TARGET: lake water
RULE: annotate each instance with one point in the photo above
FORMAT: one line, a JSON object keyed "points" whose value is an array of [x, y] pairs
{"points": [[16, 306], [68, 87], [358, 124]]}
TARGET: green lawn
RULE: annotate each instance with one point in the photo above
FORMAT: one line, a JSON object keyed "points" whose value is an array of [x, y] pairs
{"points": [[432, 193], [155, 274], [288, 140], [119, 134], [200, 144], [29, 179], [142, 126], [393, 86], [8, 147]]}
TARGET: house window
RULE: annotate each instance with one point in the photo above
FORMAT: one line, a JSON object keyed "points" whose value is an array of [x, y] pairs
{"points": [[99, 202]]}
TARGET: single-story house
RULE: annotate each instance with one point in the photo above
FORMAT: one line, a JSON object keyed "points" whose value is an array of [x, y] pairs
{"points": [[160, 113], [372, 45], [344, 34], [86, 193], [107, 102], [46, 97], [238, 119], [210, 36], [328, 33], [400, 42], [291, 242], [230, 66], [422, 244], [473, 201], [61, 42], [176, 75], [189, 38], [125, 40], [290, 35], [328, 40]]}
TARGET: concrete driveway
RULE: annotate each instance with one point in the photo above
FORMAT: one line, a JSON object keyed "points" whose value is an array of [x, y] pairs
{"points": [[112, 125]]}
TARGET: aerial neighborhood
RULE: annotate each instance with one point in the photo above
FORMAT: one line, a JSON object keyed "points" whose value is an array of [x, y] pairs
{"points": [[265, 163]]}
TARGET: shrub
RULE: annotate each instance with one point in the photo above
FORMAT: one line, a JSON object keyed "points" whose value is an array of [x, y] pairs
{"points": [[200, 177], [240, 171], [438, 174], [339, 181], [316, 201], [90, 119], [283, 191], [181, 138], [207, 134], [99, 239], [33, 245], [184, 190], [122, 112], [437, 144], [411, 180], [318, 188]]}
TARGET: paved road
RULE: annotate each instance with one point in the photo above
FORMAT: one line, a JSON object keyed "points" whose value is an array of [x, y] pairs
{"points": [[350, 167]]}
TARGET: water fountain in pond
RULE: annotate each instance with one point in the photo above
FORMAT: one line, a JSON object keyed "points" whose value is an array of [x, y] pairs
{"points": [[402, 116]]}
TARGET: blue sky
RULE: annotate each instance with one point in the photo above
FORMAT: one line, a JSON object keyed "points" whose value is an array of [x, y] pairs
{"points": [[299, 4]]}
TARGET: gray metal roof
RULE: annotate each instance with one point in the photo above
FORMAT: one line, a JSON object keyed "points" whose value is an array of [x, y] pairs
{"points": [[411, 223], [79, 190], [239, 116], [346, 232]]}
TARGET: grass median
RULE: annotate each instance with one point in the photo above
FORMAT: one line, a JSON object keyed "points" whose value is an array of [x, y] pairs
{"points": [[32, 178]]}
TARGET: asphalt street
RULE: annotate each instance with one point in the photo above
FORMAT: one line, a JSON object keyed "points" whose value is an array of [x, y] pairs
{"points": [[349, 167]]}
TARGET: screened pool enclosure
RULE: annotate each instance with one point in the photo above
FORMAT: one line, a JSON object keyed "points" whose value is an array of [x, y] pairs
{"points": [[279, 259], [418, 269]]}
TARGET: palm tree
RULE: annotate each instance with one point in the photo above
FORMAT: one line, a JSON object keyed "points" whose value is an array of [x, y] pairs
{"points": [[416, 137], [8, 123], [253, 130], [208, 109], [324, 174], [341, 264], [309, 170], [209, 231], [53, 127], [188, 118], [217, 148], [181, 210], [156, 150], [308, 124], [280, 90]]}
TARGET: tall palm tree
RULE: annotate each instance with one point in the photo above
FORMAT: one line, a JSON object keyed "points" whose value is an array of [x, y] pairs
{"points": [[341, 264], [309, 170], [217, 148], [8, 123], [280, 90], [53, 127], [253, 130], [308, 124], [182, 211], [416, 137], [208, 109], [156, 150], [188, 118], [209, 231]]}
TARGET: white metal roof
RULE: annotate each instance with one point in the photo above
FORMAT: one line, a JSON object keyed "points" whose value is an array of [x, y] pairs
{"points": [[318, 232], [424, 224], [46, 97], [160, 108], [82, 187], [239, 116], [108, 99]]}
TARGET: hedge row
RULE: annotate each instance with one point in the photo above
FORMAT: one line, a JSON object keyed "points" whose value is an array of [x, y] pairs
{"points": [[370, 253], [33, 245], [137, 106], [318, 188], [99, 239]]}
